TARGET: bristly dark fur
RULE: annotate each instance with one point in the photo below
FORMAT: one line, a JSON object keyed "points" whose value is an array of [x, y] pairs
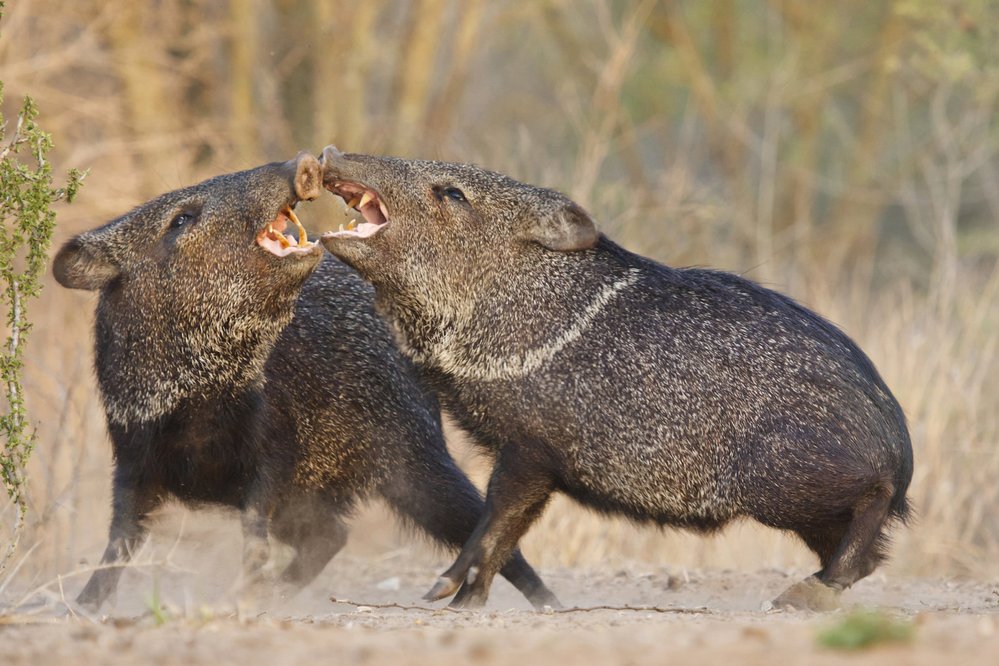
{"points": [[237, 378], [684, 397]]}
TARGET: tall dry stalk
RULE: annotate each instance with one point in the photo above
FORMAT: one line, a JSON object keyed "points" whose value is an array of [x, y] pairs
{"points": [[415, 73], [244, 46]]}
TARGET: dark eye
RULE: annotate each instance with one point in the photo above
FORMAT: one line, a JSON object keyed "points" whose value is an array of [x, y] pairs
{"points": [[455, 194], [181, 220]]}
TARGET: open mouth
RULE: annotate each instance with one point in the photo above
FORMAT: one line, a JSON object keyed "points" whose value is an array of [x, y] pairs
{"points": [[374, 214], [273, 239]]}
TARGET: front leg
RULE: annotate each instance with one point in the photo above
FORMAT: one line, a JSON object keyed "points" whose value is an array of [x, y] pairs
{"points": [[255, 519], [430, 491], [130, 506], [518, 491], [256, 548]]}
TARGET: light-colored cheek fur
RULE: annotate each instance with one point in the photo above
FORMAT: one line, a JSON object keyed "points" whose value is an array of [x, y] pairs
{"points": [[221, 338], [193, 367]]}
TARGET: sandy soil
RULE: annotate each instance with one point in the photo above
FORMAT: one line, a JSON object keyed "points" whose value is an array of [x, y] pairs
{"points": [[706, 617]]}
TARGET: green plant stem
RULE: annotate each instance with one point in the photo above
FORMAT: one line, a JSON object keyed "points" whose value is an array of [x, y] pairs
{"points": [[27, 221]]}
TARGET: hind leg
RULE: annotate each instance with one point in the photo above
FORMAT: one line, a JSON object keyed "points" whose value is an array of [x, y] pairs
{"points": [[811, 593], [857, 554], [313, 553], [824, 542], [862, 550], [317, 533]]}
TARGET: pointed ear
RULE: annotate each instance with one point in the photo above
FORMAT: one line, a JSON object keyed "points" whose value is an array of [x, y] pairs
{"points": [[565, 229], [83, 264]]}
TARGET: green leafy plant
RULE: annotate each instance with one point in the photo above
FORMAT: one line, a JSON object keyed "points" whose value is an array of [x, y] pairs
{"points": [[27, 220], [155, 604], [864, 629]]}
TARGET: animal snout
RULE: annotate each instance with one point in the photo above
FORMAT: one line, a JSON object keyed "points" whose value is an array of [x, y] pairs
{"points": [[308, 176]]}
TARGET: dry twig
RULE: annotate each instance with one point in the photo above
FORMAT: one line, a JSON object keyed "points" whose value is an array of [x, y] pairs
{"points": [[546, 611]]}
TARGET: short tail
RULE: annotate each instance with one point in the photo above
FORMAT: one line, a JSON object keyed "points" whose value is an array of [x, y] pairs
{"points": [[900, 508]]}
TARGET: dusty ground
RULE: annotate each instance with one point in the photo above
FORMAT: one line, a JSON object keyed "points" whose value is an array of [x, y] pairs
{"points": [[705, 617]]}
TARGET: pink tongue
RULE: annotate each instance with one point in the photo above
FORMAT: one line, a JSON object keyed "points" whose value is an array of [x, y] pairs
{"points": [[365, 229], [362, 230], [373, 214], [275, 248]]}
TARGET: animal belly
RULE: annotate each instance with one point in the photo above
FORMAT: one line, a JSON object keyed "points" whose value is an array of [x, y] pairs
{"points": [[669, 485], [197, 479]]}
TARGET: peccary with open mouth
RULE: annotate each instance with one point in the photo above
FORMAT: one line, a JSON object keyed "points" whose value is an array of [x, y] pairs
{"points": [[682, 397], [240, 367]]}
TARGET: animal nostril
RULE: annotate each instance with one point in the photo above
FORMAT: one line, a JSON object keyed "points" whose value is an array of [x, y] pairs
{"points": [[308, 177]]}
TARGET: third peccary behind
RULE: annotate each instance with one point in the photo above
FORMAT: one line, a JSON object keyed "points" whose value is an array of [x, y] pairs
{"points": [[682, 397], [240, 367]]}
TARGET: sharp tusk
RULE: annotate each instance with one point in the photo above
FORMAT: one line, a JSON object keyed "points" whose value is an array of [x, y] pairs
{"points": [[351, 225], [341, 227], [303, 235], [353, 202], [366, 199]]}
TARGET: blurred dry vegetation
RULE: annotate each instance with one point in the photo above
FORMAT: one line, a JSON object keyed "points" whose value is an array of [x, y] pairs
{"points": [[845, 152]]}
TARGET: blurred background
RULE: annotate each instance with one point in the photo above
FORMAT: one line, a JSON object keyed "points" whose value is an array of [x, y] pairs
{"points": [[845, 152]]}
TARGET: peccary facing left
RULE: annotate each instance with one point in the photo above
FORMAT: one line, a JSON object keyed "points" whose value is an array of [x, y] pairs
{"points": [[240, 367], [682, 397]]}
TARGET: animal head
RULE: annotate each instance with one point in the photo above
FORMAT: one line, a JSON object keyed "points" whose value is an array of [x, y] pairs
{"points": [[444, 228], [194, 285]]}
